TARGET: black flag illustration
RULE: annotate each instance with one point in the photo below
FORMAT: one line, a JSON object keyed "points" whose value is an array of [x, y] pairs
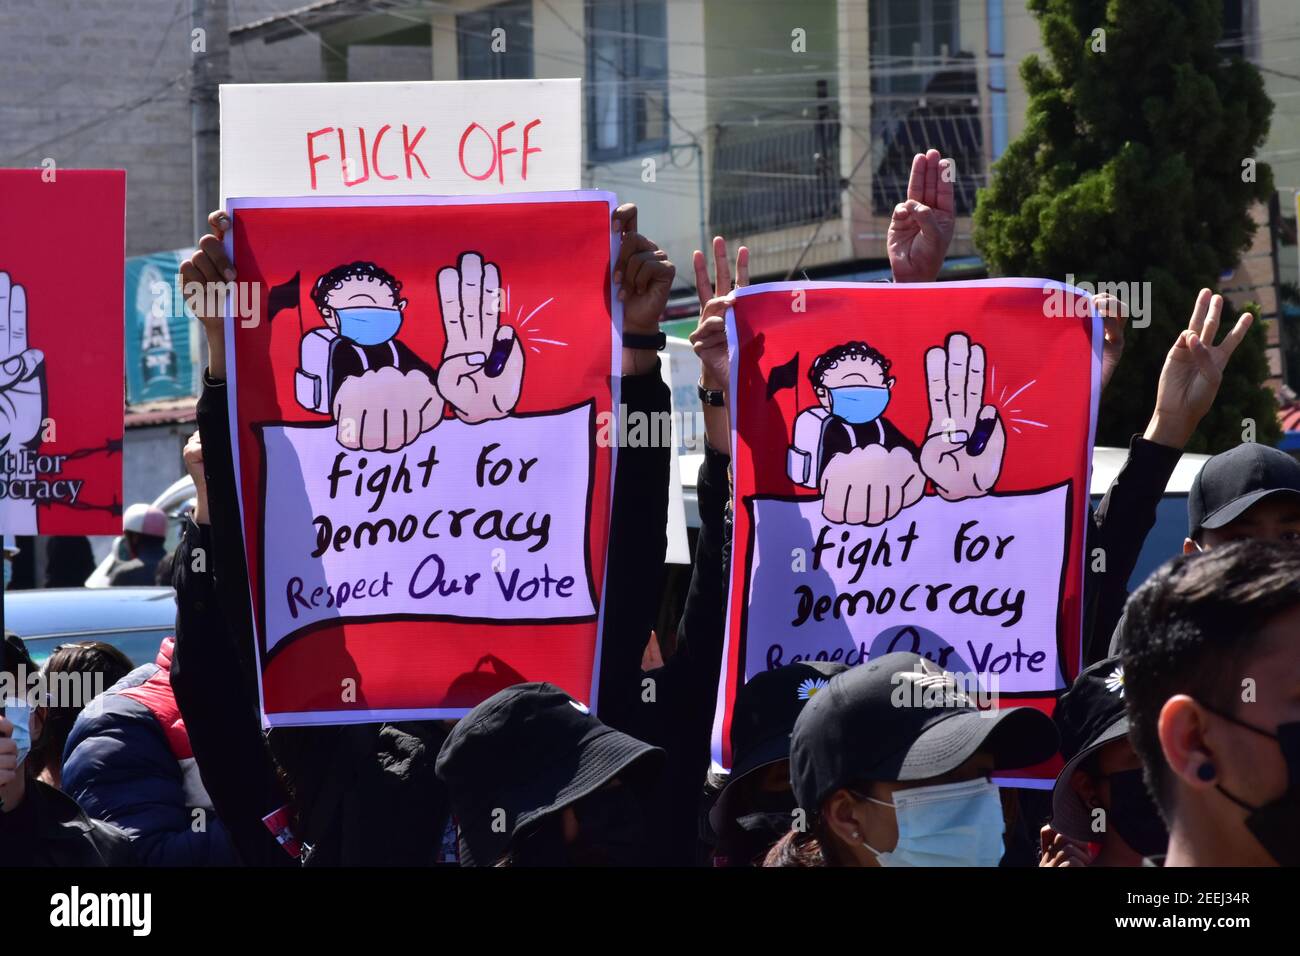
{"points": [[783, 376], [283, 296]]}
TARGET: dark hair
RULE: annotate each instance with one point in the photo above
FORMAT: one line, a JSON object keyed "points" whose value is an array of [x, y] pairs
{"points": [[814, 846], [88, 658], [353, 270], [829, 359], [798, 848], [1190, 630]]}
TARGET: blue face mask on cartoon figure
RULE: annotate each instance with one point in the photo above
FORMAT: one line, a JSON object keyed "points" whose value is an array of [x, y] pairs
{"points": [[369, 325], [859, 404]]}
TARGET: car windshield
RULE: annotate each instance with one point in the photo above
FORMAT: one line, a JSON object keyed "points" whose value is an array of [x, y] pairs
{"points": [[141, 646]]}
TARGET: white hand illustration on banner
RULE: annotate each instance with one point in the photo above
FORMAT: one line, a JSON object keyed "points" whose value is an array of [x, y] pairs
{"points": [[22, 402], [965, 442], [870, 485], [385, 409], [482, 367]]}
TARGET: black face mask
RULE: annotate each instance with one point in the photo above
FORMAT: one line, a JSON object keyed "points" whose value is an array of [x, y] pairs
{"points": [[1276, 824], [612, 829], [1134, 815], [755, 832]]}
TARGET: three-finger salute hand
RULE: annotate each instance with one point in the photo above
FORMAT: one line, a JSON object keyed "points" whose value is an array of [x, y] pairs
{"points": [[965, 442], [710, 336], [1193, 371], [22, 371], [482, 369], [921, 229]]}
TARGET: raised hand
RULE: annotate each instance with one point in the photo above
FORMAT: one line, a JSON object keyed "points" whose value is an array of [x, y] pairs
{"points": [[921, 228], [208, 266], [1193, 372], [482, 368], [1114, 314], [642, 272], [964, 444], [22, 401], [710, 336]]}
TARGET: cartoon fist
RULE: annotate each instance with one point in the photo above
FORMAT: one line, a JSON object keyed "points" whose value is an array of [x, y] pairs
{"points": [[384, 409], [482, 367], [870, 485], [962, 454], [22, 400]]}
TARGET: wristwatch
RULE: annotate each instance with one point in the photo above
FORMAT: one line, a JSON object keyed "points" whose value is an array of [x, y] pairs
{"points": [[712, 397], [657, 341]]}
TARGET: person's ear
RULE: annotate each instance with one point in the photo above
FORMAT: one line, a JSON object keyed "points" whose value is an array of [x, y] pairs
{"points": [[36, 722], [842, 817], [326, 312], [889, 382], [1190, 546], [1187, 752], [1085, 788], [401, 305]]}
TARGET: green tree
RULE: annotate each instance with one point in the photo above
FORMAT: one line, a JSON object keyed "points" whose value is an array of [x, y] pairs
{"points": [[1135, 164]]}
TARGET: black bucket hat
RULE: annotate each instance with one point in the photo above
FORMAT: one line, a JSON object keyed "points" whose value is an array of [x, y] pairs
{"points": [[529, 751], [1089, 715]]}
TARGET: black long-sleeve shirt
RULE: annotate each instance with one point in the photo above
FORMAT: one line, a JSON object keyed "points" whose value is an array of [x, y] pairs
{"points": [[1119, 527]]}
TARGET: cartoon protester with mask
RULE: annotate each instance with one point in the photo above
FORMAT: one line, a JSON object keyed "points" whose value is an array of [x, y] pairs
{"points": [[380, 393], [866, 469]]}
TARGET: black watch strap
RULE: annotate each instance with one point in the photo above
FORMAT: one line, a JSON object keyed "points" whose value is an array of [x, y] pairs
{"points": [[633, 340], [714, 398]]}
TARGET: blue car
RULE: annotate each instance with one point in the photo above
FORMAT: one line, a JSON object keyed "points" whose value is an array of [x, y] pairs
{"points": [[134, 620]]}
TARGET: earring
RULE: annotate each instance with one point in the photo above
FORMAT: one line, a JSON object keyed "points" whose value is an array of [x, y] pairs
{"points": [[856, 835], [1205, 772]]}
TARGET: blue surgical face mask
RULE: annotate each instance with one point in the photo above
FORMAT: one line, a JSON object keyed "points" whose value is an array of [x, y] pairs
{"points": [[16, 712], [369, 325], [951, 824], [859, 404]]}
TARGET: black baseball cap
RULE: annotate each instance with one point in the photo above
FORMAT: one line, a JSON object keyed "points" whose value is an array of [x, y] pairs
{"points": [[1233, 481], [867, 724], [762, 720], [1088, 716], [530, 750]]}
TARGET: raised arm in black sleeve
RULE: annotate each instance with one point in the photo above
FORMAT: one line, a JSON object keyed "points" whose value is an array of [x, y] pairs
{"points": [[638, 542], [220, 715], [680, 716], [1119, 528]]}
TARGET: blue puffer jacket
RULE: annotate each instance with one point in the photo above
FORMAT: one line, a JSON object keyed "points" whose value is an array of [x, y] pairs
{"points": [[128, 761]]}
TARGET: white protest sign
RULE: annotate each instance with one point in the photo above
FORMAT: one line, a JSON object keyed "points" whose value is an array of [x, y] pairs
{"points": [[489, 553], [679, 548], [985, 573], [472, 137]]}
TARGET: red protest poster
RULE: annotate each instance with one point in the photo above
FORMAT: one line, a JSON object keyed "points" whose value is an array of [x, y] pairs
{"points": [[416, 386], [911, 474], [61, 351]]}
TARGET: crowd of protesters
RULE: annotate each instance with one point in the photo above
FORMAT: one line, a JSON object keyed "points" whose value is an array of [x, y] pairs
{"points": [[1180, 739]]}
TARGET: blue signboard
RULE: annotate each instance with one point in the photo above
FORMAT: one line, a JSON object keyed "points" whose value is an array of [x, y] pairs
{"points": [[161, 338]]}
